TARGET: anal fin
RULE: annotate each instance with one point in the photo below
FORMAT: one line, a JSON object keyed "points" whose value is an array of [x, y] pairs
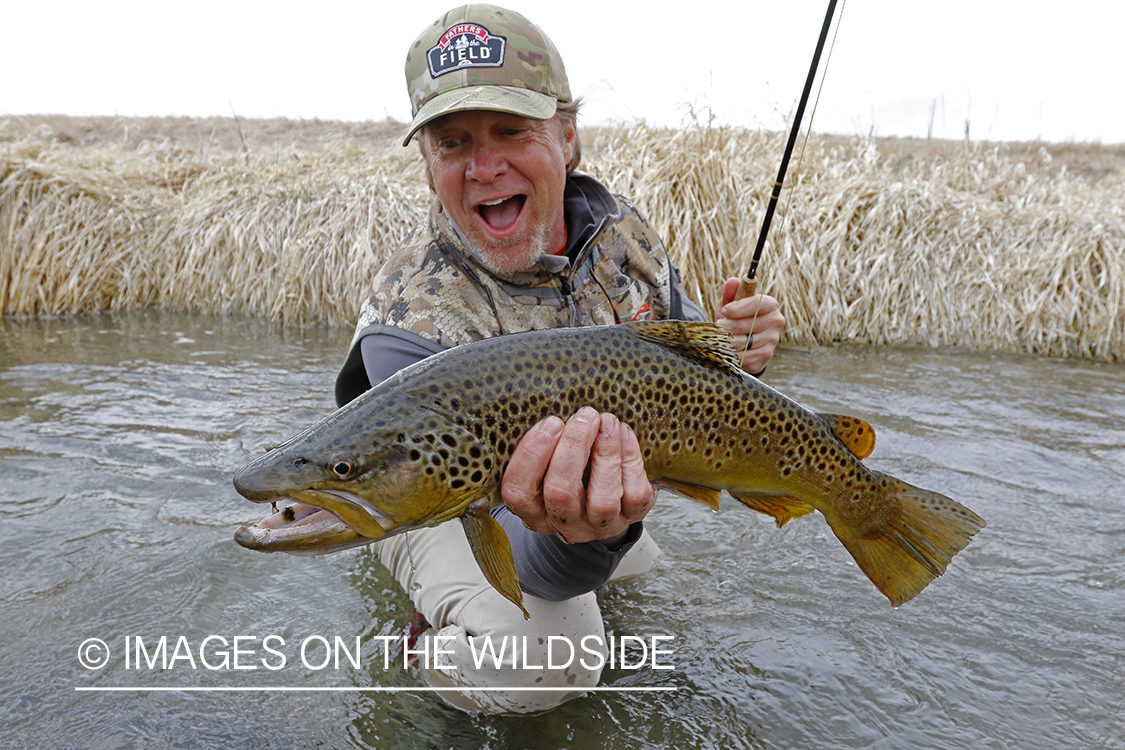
{"points": [[493, 553], [783, 509]]}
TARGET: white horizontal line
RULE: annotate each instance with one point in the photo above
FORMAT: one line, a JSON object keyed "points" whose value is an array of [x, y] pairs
{"points": [[284, 689]]}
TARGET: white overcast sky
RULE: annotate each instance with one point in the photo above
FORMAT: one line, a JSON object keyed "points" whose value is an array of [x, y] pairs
{"points": [[1012, 71]]}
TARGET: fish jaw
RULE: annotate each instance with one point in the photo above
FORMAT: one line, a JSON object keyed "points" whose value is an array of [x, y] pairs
{"points": [[318, 522], [271, 478], [300, 529]]}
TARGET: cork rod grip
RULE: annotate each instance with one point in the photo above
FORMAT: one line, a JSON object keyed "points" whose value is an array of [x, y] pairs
{"points": [[746, 288]]}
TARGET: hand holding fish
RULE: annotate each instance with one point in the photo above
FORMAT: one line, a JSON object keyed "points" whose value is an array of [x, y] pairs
{"points": [[758, 315], [546, 484]]}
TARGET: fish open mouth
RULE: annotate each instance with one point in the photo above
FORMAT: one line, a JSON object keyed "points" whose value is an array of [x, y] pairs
{"points": [[304, 528]]}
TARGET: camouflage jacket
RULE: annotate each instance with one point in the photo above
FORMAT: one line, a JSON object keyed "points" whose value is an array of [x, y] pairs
{"points": [[434, 293]]}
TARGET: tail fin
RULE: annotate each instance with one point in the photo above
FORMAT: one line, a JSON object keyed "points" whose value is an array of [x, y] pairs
{"points": [[916, 547]]}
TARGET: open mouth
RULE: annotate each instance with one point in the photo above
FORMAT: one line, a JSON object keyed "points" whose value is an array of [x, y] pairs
{"points": [[502, 214], [300, 527]]}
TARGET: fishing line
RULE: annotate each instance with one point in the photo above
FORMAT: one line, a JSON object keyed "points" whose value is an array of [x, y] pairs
{"points": [[409, 552]]}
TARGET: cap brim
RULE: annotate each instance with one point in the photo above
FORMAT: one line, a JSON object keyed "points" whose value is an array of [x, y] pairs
{"points": [[516, 101]]}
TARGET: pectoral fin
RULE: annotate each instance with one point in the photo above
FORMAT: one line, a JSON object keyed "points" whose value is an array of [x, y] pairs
{"points": [[783, 509], [493, 553]]}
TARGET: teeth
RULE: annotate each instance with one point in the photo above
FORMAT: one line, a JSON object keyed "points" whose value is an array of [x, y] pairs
{"points": [[496, 202]]}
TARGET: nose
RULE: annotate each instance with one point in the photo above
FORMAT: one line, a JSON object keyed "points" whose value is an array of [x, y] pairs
{"points": [[485, 164]]}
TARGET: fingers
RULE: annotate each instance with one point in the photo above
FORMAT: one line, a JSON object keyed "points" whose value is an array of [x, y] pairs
{"points": [[730, 288], [582, 480], [756, 313], [521, 488], [638, 494], [564, 491], [758, 316], [604, 490]]}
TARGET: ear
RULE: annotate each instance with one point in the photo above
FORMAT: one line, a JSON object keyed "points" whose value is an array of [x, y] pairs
{"points": [[568, 130]]}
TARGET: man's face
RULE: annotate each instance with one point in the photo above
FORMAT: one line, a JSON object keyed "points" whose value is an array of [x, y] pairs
{"points": [[501, 177]]}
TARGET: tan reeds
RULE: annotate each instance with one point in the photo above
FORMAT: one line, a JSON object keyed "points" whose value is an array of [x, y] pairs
{"points": [[966, 245]]}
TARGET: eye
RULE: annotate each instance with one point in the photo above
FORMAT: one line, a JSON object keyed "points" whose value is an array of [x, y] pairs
{"points": [[342, 467]]}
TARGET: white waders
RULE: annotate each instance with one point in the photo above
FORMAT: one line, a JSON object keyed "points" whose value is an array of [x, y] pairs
{"points": [[557, 648]]}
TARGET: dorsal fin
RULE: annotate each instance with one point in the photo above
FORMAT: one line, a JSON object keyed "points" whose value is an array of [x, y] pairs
{"points": [[856, 435], [704, 343]]}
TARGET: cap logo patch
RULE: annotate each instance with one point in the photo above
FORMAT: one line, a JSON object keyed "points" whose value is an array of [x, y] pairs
{"points": [[465, 45]]}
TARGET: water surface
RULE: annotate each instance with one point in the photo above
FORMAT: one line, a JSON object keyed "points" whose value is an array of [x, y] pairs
{"points": [[119, 435]]}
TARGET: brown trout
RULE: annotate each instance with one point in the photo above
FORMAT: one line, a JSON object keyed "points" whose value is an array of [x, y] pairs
{"points": [[431, 444]]}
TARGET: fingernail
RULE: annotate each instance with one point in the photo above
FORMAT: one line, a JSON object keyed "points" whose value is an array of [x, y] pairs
{"points": [[607, 428], [587, 414], [551, 426]]}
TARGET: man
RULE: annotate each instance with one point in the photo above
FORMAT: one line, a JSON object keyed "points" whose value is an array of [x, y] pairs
{"points": [[517, 240]]}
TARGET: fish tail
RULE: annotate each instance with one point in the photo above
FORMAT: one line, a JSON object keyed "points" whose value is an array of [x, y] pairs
{"points": [[916, 545]]}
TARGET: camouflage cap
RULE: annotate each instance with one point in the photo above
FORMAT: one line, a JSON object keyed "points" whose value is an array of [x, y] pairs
{"points": [[483, 57]]}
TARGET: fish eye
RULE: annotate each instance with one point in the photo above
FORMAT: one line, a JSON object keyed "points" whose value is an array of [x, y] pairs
{"points": [[342, 467]]}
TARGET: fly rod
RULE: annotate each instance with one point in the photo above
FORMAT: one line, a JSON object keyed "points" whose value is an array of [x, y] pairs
{"points": [[749, 284]]}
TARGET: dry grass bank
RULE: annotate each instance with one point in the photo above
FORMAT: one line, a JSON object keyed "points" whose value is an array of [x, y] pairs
{"points": [[1010, 247]]}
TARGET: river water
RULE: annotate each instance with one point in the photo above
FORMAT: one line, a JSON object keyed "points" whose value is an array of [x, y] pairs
{"points": [[119, 434]]}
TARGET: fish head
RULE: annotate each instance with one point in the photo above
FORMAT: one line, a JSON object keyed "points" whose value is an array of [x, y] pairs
{"points": [[352, 484]]}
